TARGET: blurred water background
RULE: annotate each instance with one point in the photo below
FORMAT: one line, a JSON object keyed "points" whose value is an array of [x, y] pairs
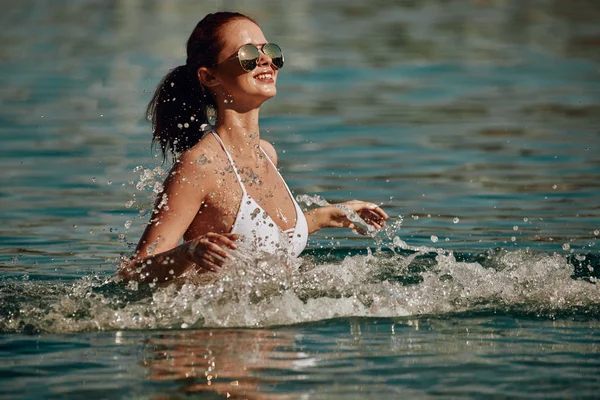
{"points": [[475, 123]]}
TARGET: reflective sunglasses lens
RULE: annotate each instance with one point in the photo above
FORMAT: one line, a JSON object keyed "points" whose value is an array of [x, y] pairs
{"points": [[275, 54], [248, 56]]}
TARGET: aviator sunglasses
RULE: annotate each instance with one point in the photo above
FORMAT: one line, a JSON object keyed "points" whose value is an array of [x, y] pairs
{"points": [[248, 55]]}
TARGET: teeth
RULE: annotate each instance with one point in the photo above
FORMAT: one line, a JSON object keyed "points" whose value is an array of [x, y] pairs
{"points": [[263, 76]]}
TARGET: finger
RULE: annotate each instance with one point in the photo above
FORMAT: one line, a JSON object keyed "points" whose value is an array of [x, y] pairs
{"points": [[357, 228], [215, 248], [375, 225], [231, 236], [376, 209], [226, 241], [373, 218], [212, 260], [208, 266], [215, 259], [380, 211]]}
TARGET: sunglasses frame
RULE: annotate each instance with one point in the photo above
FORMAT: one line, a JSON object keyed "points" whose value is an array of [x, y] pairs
{"points": [[251, 64]]}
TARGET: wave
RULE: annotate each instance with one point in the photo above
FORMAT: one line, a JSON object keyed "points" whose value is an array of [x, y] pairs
{"points": [[325, 283]]}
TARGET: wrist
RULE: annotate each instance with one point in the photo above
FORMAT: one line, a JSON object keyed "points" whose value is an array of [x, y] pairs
{"points": [[186, 250], [319, 218]]}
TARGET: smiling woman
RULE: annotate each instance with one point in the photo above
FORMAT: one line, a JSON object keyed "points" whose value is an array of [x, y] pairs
{"points": [[224, 189]]}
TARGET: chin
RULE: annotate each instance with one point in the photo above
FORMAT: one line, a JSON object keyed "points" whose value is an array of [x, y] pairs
{"points": [[267, 93]]}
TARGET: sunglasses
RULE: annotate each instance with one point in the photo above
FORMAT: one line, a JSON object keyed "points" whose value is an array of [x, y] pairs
{"points": [[248, 55]]}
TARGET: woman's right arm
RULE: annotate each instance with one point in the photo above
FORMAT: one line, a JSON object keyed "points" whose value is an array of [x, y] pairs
{"points": [[158, 257]]}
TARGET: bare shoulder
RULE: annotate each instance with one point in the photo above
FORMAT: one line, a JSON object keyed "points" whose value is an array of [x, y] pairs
{"points": [[269, 150], [198, 164]]}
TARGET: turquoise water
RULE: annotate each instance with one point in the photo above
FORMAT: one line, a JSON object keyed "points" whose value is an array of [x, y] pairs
{"points": [[475, 124]]}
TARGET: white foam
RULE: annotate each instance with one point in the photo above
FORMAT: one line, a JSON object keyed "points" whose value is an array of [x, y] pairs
{"points": [[258, 292]]}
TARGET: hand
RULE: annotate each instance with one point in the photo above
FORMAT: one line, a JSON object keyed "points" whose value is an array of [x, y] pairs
{"points": [[208, 252], [370, 213]]}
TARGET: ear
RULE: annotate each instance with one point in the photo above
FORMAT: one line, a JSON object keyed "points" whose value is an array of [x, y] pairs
{"points": [[206, 77]]}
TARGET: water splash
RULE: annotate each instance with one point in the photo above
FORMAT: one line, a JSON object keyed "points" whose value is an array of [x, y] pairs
{"points": [[258, 291]]}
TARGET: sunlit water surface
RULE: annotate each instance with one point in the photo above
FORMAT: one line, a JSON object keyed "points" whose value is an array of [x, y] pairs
{"points": [[474, 123]]}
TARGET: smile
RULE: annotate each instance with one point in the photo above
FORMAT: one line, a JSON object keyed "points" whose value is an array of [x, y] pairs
{"points": [[264, 77]]}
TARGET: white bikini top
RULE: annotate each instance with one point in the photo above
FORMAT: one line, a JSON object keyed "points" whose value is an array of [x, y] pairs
{"points": [[257, 229]]}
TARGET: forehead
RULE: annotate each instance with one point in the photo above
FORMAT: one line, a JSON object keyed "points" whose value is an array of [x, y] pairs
{"points": [[240, 32]]}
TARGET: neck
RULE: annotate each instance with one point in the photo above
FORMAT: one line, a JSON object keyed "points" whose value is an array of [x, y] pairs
{"points": [[239, 130]]}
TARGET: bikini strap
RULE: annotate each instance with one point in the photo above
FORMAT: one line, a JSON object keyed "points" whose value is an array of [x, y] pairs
{"points": [[237, 174]]}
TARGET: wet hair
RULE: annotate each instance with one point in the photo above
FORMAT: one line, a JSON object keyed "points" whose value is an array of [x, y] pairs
{"points": [[180, 103]]}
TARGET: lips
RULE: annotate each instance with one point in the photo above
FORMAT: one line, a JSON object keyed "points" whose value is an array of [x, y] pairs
{"points": [[265, 76]]}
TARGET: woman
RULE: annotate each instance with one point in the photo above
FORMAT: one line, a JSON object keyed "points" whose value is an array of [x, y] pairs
{"points": [[224, 189]]}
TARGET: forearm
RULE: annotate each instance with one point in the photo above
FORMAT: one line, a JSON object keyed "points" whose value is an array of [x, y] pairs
{"points": [[318, 218], [159, 267]]}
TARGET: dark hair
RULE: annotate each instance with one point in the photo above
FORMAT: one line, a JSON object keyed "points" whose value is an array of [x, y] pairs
{"points": [[179, 106]]}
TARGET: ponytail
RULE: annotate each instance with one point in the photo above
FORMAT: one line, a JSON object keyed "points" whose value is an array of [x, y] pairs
{"points": [[180, 103], [178, 110]]}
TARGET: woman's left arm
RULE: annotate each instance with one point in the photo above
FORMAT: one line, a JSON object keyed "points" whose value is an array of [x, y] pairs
{"points": [[333, 216]]}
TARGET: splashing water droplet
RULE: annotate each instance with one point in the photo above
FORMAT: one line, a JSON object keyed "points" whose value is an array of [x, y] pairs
{"points": [[399, 243], [566, 246], [597, 232], [128, 224], [158, 187], [434, 238], [312, 200], [516, 228], [456, 220]]}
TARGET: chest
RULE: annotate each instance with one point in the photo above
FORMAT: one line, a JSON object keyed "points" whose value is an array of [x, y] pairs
{"points": [[257, 179]]}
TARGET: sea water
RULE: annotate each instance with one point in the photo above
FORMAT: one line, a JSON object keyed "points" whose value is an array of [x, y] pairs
{"points": [[475, 125]]}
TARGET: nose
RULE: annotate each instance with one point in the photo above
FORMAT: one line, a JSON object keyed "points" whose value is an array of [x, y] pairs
{"points": [[263, 59]]}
